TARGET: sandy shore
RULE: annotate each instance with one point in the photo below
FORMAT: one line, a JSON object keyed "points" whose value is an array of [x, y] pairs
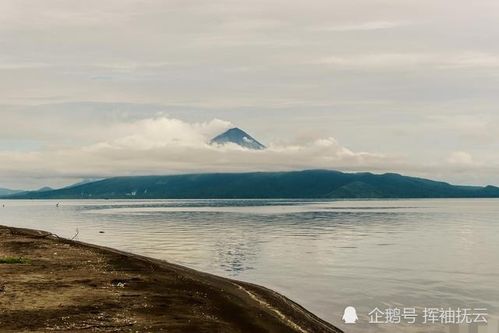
{"points": [[63, 285]]}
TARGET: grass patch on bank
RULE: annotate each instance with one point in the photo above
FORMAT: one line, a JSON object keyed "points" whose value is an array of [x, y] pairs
{"points": [[14, 260]]}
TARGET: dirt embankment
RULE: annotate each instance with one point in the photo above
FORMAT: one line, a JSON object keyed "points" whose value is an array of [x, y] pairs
{"points": [[62, 285]]}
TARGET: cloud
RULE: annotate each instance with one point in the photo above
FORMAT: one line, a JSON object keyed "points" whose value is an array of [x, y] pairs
{"points": [[60, 14], [56, 144], [378, 60], [165, 145], [364, 26], [405, 61], [162, 132], [473, 60], [7, 65], [368, 73], [460, 158]]}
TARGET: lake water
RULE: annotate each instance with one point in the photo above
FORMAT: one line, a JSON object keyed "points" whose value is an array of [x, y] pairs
{"points": [[325, 255]]}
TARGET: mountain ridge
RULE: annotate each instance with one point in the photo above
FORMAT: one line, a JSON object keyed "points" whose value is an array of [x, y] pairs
{"points": [[306, 184]]}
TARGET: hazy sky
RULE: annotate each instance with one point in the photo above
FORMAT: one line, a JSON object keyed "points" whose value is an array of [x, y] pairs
{"points": [[118, 87]]}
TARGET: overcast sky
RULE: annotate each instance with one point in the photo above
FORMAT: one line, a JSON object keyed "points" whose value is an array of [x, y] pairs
{"points": [[118, 87]]}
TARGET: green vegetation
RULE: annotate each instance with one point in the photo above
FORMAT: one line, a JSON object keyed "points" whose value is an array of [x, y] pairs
{"points": [[309, 184], [14, 260]]}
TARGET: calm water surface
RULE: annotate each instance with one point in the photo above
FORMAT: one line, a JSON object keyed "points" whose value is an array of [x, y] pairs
{"points": [[325, 255]]}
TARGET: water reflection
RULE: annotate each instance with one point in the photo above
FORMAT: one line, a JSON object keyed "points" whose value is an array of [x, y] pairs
{"points": [[236, 255]]}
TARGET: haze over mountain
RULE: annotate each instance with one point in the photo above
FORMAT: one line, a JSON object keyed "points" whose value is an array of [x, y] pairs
{"points": [[45, 189], [315, 184], [239, 137], [83, 181], [6, 191]]}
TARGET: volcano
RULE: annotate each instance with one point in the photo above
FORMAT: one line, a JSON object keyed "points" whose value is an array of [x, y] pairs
{"points": [[239, 137]]}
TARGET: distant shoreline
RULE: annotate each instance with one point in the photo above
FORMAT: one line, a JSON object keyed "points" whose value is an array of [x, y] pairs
{"points": [[52, 283]]}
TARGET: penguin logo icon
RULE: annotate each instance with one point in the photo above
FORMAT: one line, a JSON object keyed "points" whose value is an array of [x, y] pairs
{"points": [[350, 315]]}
